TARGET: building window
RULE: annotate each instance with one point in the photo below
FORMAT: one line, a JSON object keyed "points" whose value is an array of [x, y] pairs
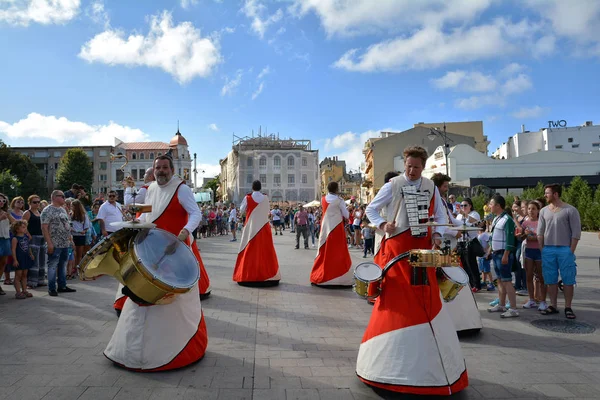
{"points": [[134, 174], [304, 162], [558, 146], [57, 154], [595, 144], [159, 154], [141, 175], [570, 140], [40, 154], [103, 165], [90, 153], [179, 172], [290, 161], [574, 146], [249, 179], [277, 161], [277, 179], [262, 162], [119, 175], [249, 162], [142, 156], [134, 156], [103, 153], [291, 178], [263, 179], [152, 156], [55, 165], [304, 178]]}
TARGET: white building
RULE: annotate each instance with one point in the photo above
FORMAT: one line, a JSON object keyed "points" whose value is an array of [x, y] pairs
{"points": [[288, 169], [468, 167], [576, 139]]}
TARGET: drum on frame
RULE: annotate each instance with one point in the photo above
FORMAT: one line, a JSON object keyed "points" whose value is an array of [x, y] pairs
{"points": [[367, 280], [451, 280], [151, 263]]}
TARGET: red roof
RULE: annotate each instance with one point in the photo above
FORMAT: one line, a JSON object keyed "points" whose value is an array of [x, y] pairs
{"points": [[178, 139], [144, 146]]}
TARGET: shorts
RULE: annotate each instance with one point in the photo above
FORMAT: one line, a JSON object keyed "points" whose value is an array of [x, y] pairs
{"points": [[276, 223], [232, 226], [79, 240], [484, 265], [5, 250], [533, 254], [351, 227], [557, 259], [356, 228], [503, 271]]}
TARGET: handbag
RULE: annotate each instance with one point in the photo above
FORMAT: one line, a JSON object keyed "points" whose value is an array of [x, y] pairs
{"points": [[476, 247]]}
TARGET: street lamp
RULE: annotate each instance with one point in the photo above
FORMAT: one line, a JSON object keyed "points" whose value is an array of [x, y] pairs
{"points": [[433, 133]]}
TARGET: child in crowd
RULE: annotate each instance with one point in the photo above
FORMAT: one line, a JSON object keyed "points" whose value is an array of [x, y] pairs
{"points": [[22, 258], [368, 235], [484, 262]]}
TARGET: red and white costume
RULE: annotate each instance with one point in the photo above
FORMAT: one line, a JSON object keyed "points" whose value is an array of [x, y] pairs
{"points": [[332, 266], [256, 263], [410, 345], [169, 336]]}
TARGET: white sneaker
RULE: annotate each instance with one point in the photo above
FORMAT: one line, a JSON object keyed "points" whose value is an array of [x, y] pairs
{"points": [[510, 313], [497, 308], [543, 306], [530, 304]]}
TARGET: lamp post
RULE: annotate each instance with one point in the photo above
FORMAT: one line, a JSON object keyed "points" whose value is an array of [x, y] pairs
{"points": [[433, 133]]}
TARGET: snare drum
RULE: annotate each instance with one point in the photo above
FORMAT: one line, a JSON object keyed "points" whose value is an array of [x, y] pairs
{"points": [[367, 280], [451, 280]]}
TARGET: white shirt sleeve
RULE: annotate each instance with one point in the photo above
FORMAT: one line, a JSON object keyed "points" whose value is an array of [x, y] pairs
{"points": [[102, 212], [440, 214], [243, 205], [344, 210], [186, 199], [381, 200], [128, 197]]}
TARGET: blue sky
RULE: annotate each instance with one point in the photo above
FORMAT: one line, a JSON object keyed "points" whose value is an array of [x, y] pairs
{"points": [[336, 72]]}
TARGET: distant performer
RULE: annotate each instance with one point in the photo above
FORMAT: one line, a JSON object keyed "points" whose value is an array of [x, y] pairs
{"points": [[332, 267], [256, 263]]}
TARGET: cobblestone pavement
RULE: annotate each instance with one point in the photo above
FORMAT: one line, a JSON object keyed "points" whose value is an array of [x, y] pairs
{"points": [[290, 342]]}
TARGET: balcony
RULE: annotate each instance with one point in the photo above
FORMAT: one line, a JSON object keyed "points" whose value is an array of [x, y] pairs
{"points": [[276, 184], [291, 185]]}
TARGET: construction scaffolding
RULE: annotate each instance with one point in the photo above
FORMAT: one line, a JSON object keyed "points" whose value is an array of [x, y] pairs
{"points": [[269, 142]]}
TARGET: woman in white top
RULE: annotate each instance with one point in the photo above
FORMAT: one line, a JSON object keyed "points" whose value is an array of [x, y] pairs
{"points": [[469, 217]]}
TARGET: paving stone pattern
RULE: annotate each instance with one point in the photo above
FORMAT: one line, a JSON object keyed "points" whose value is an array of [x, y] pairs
{"points": [[289, 342]]}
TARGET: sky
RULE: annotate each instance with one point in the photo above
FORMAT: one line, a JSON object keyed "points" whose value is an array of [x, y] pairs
{"points": [[81, 72]]}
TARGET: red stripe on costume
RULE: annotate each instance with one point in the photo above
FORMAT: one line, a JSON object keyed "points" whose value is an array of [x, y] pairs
{"points": [[446, 390], [120, 303], [257, 262], [193, 351], [250, 206]]}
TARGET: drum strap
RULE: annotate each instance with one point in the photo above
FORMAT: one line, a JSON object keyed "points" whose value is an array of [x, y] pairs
{"points": [[135, 298]]}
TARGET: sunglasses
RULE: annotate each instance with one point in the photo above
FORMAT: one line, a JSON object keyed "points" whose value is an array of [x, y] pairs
{"points": [[60, 195], [112, 195], [464, 205], [35, 202]]}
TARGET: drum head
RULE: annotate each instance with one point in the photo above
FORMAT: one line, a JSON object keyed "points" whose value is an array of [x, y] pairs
{"points": [[166, 258], [368, 271], [456, 274]]}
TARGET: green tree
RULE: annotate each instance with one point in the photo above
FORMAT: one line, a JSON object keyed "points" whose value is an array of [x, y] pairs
{"points": [[74, 167], [213, 184], [534, 193], [9, 183], [27, 173], [578, 194]]}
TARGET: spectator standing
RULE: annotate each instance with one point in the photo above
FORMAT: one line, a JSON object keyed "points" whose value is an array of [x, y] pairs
{"points": [[301, 222], [57, 233], [484, 262], [276, 219], [72, 193], [520, 275], [293, 212], [558, 233], [368, 235], [453, 205], [311, 225], [109, 212], [233, 221], [6, 220], [22, 258], [356, 224], [92, 215], [468, 216], [36, 276], [533, 259], [503, 247], [80, 224]]}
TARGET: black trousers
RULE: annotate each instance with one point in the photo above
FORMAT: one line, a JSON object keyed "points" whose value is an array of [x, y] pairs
{"points": [[469, 262], [302, 230]]}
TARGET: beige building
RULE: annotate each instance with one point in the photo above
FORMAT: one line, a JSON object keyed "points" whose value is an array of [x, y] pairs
{"points": [[380, 153], [472, 129], [288, 169], [334, 170], [107, 173]]}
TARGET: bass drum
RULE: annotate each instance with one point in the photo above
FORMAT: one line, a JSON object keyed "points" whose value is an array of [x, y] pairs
{"points": [[451, 280]]}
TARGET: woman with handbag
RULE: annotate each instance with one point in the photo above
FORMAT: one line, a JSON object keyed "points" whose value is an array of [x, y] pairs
{"points": [[469, 217]]}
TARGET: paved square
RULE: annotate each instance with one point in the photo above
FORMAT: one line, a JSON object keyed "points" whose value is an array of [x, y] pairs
{"points": [[289, 342]]}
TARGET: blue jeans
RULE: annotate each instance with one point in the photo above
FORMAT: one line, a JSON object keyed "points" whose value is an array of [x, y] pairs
{"points": [[57, 260], [503, 271]]}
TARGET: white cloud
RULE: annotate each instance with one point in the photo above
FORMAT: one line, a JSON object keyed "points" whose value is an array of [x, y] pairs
{"points": [[232, 84], [512, 69], [178, 50], [577, 20], [210, 171], [465, 81], [185, 4], [474, 102], [213, 127], [255, 10], [45, 12], [265, 71], [532, 112], [98, 14], [518, 84], [62, 130], [258, 91], [355, 17], [348, 146]]}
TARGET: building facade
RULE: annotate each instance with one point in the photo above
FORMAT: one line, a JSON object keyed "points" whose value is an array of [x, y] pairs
{"points": [[472, 129], [575, 139], [381, 154], [110, 171], [288, 169], [334, 170]]}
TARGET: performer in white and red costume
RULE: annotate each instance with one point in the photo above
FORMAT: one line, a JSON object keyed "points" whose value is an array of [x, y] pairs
{"points": [[332, 267], [256, 263], [410, 345], [167, 336], [132, 196], [463, 309]]}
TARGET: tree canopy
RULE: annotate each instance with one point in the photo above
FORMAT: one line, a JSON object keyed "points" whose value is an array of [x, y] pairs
{"points": [[26, 173], [74, 167], [213, 184]]}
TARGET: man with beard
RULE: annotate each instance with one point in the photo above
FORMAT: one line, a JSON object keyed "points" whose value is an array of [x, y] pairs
{"points": [[167, 336]]}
